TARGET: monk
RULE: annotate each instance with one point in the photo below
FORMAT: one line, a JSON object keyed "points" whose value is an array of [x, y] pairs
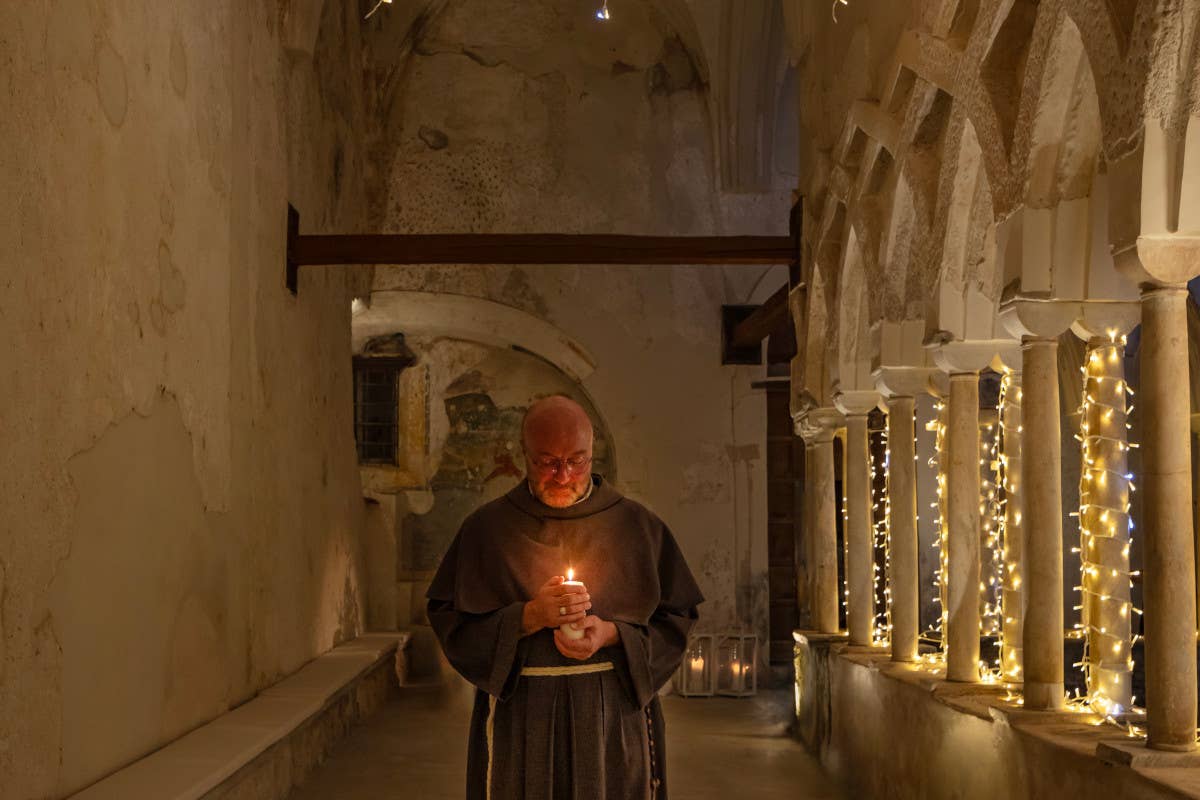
{"points": [[556, 717]]}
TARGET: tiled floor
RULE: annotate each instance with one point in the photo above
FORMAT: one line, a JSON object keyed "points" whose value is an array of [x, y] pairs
{"points": [[717, 748]]}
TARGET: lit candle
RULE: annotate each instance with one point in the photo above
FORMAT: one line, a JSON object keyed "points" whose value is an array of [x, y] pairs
{"points": [[698, 670], [569, 631]]}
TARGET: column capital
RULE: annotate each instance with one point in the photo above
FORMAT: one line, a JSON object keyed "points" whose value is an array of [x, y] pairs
{"points": [[818, 424], [1169, 258], [857, 402], [973, 355], [1049, 317], [904, 381], [1109, 319], [1043, 317]]}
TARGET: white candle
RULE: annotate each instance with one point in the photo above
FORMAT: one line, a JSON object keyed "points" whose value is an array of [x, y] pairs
{"points": [[568, 631], [739, 672], [697, 672]]}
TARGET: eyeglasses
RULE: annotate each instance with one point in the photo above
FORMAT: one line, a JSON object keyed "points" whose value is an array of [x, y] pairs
{"points": [[570, 466]]}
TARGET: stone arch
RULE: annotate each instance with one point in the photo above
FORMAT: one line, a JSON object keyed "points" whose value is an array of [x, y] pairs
{"points": [[816, 377], [1003, 69], [853, 342], [1066, 135], [964, 298], [472, 319], [828, 251], [898, 248], [1058, 240]]}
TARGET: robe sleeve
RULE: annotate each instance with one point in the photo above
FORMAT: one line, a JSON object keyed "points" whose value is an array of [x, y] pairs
{"points": [[653, 651], [484, 648]]}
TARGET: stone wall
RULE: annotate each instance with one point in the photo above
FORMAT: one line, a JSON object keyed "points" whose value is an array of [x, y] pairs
{"points": [[536, 117], [182, 510], [887, 730]]}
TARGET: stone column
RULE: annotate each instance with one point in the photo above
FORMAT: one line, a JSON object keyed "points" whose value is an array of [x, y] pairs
{"points": [[1169, 590], [962, 487], [903, 578], [1041, 479], [1011, 661], [822, 520], [1104, 526], [860, 561]]}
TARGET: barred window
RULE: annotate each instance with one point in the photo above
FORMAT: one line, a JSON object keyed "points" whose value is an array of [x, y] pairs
{"points": [[377, 408]]}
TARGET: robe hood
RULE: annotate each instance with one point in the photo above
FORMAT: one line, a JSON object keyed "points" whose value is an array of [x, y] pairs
{"points": [[602, 496], [508, 548]]}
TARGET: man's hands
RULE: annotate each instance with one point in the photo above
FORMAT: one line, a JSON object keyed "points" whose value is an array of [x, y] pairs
{"points": [[597, 633], [543, 610]]}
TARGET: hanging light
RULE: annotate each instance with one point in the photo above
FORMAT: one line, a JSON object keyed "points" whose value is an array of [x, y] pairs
{"points": [[602, 12]]}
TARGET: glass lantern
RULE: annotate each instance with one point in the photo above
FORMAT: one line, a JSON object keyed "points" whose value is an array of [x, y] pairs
{"points": [[697, 673], [737, 659]]}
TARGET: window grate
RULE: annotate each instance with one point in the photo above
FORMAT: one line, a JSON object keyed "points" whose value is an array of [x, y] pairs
{"points": [[377, 408]]}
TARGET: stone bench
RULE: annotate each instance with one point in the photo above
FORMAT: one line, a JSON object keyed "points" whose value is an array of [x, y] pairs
{"points": [[268, 745]]}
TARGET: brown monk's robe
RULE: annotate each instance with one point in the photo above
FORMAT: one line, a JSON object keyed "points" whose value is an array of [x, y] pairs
{"points": [[595, 736]]}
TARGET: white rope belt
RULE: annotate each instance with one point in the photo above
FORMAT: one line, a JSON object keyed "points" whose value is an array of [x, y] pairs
{"points": [[580, 669]]}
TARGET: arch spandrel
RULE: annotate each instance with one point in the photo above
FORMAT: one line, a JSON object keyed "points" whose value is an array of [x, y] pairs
{"points": [[964, 299], [853, 357]]}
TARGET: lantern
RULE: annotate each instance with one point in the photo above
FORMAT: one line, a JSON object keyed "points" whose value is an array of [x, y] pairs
{"points": [[737, 658], [697, 673]]}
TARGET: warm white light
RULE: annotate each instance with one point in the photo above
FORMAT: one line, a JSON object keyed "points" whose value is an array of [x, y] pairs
{"points": [[378, 5]]}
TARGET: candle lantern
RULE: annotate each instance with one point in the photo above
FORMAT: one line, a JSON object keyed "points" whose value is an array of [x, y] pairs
{"points": [[697, 673], [737, 660]]}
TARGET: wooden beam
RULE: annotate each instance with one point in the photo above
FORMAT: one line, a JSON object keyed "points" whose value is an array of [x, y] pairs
{"points": [[536, 248], [763, 322]]}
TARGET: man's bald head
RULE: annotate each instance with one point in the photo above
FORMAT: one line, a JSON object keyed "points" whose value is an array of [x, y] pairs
{"points": [[557, 437], [558, 420]]}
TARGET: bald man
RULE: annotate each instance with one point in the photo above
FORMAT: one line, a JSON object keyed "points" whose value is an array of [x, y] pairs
{"points": [[564, 715]]}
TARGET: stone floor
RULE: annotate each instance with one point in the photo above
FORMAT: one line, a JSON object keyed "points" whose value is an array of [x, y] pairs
{"points": [[717, 748]]}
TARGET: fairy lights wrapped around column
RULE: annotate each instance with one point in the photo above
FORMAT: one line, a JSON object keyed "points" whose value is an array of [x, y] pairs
{"points": [[991, 503], [991, 579], [881, 513], [845, 512], [1013, 549], [1105, 527], [937, 425]]}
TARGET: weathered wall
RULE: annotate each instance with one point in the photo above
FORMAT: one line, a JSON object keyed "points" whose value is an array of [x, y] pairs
{"points": [[886, 731], [535, 117], [182, 508]]}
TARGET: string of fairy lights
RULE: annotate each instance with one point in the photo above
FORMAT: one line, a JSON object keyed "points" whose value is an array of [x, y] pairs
{"points": [[1008, 411], [937, 426], [1105, 536], [992, 507], [881, 513], [1106, 610], [845, 541]]}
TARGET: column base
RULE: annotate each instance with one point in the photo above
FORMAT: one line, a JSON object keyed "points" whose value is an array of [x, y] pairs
{"points": [[1043, 696], [1171, 747]]}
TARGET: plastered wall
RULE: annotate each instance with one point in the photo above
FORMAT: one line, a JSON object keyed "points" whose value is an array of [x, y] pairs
{"points": [[181, 505]]}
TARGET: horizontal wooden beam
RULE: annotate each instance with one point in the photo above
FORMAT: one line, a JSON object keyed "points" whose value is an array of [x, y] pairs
{"points": [[530, 248], [763, 322], [536, 248]]}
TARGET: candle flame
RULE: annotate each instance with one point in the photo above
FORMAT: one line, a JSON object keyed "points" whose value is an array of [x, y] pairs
{"points": [[570, 574]]}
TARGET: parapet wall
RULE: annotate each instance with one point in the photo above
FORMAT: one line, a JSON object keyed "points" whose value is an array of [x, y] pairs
{"points": [[888, 730]]}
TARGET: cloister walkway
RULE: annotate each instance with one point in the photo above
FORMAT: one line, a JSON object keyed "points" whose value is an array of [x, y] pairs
{"points": [[717, 748]]}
